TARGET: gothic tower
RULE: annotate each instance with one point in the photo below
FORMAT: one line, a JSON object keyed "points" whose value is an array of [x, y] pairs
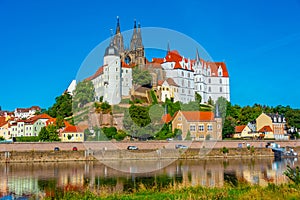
{"points": [[136, 51], [118, 38]]}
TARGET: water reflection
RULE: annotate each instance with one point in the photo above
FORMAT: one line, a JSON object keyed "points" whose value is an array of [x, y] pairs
{"points": [[46, 179]]}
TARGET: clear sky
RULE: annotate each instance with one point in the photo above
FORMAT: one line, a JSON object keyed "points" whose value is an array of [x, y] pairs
{"points": [[43, 43]]}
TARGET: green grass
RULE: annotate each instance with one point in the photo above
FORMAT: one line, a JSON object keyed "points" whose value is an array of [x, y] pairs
{"points": [[242, 191]]}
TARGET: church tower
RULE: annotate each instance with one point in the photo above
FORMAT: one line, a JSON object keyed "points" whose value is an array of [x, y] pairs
{"points": [[136, 51], [112, 75], [118, 38]]}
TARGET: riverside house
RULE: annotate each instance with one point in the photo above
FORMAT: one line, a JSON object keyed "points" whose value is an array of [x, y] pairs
{"points": [[201, 125]]}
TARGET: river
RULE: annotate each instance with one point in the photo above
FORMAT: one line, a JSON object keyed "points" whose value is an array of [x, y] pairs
{"points": [[43, 179]]}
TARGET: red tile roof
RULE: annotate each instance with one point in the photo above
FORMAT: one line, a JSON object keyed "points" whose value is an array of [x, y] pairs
{"points": [[97, 73], [174, 56], [239, 129], [266, 129], [167, 118], [170, 81], [197, 115], [160, 82], [71, 129]]}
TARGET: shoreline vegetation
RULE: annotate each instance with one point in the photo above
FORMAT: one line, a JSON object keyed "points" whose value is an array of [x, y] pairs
{"points": [[239, 191]]}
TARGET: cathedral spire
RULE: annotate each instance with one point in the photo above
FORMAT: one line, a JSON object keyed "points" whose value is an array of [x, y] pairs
{"points": [[118, 29], [134, 26]]}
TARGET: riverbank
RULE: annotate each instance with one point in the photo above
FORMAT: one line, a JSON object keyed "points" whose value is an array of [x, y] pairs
{"points": [[113, 155], [152, 150]]}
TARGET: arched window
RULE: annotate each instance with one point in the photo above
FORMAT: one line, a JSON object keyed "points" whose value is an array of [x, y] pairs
{"points": [[209, 89], [209, 81]]}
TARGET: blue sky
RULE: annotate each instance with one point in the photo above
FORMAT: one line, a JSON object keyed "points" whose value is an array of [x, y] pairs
{"points": [[43, 43]]}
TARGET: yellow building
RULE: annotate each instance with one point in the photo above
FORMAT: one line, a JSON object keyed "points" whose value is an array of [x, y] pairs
{"points": [[264, 126], [72, 134], [201, 125], [244, 131]]}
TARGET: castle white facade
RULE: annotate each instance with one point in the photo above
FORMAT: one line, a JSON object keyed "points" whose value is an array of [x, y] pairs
{"points": [[209, 79]]}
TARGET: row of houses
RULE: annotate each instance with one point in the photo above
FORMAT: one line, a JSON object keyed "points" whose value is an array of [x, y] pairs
{"points": [[21, 126], [268, 126]]}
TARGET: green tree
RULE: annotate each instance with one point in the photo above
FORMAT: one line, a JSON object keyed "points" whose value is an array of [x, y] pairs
{"points": [[83, 94], [62, 106], [188, 136], [141, 77], [49, 134], [140, 115], [2, 138], [110, 132]]}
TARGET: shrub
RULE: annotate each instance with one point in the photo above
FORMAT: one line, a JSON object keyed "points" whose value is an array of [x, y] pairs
{"points": [[293, 174]]}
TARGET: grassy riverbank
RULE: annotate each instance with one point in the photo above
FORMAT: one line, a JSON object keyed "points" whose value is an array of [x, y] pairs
{"points": [[242, 191]]}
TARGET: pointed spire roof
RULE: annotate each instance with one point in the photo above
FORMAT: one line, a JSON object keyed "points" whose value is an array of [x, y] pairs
{"points": [[118, 29], [197, 56]]}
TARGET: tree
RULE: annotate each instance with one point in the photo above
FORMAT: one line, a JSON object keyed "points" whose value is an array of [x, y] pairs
{"points": [[198, 97], [141, 77], [210, 101], [84, 93], [62, 106], [110, 132], [188, 136], [2, 138], [49, 134]]}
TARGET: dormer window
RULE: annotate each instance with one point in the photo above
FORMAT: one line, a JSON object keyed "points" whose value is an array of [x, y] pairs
{"points": [[208, 71], [220, 71]]}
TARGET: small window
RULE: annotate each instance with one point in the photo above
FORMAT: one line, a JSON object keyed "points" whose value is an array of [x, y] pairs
{"points": [[209, 81], [192, 128], [209, 89], [220, 89], [209, 127], [220, 81], [201, 127]]}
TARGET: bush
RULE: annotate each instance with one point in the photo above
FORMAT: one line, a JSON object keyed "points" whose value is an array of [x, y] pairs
{"points": [[225, 150], [293, 174], [27, 139]]}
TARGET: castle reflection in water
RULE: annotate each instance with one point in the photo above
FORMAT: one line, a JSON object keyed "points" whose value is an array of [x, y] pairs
{"points": [[44, 179]]}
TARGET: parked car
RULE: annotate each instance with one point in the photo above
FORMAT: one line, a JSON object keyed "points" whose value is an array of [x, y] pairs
{"points": [[132, 148], [56, 148], [75, 149], [180, 146]]}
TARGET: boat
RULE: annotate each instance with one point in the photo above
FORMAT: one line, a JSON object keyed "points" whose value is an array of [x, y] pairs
{"points": [[284, 152]]}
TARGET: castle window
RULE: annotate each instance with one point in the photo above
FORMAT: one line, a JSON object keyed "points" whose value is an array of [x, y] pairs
{"points": [[182, 74], [116, 69], [220, 89], [209, 81], [209, 89], [220, 81]]}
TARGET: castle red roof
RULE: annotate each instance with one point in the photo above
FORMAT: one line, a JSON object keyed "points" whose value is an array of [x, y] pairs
{"points": [[97, 73]]}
